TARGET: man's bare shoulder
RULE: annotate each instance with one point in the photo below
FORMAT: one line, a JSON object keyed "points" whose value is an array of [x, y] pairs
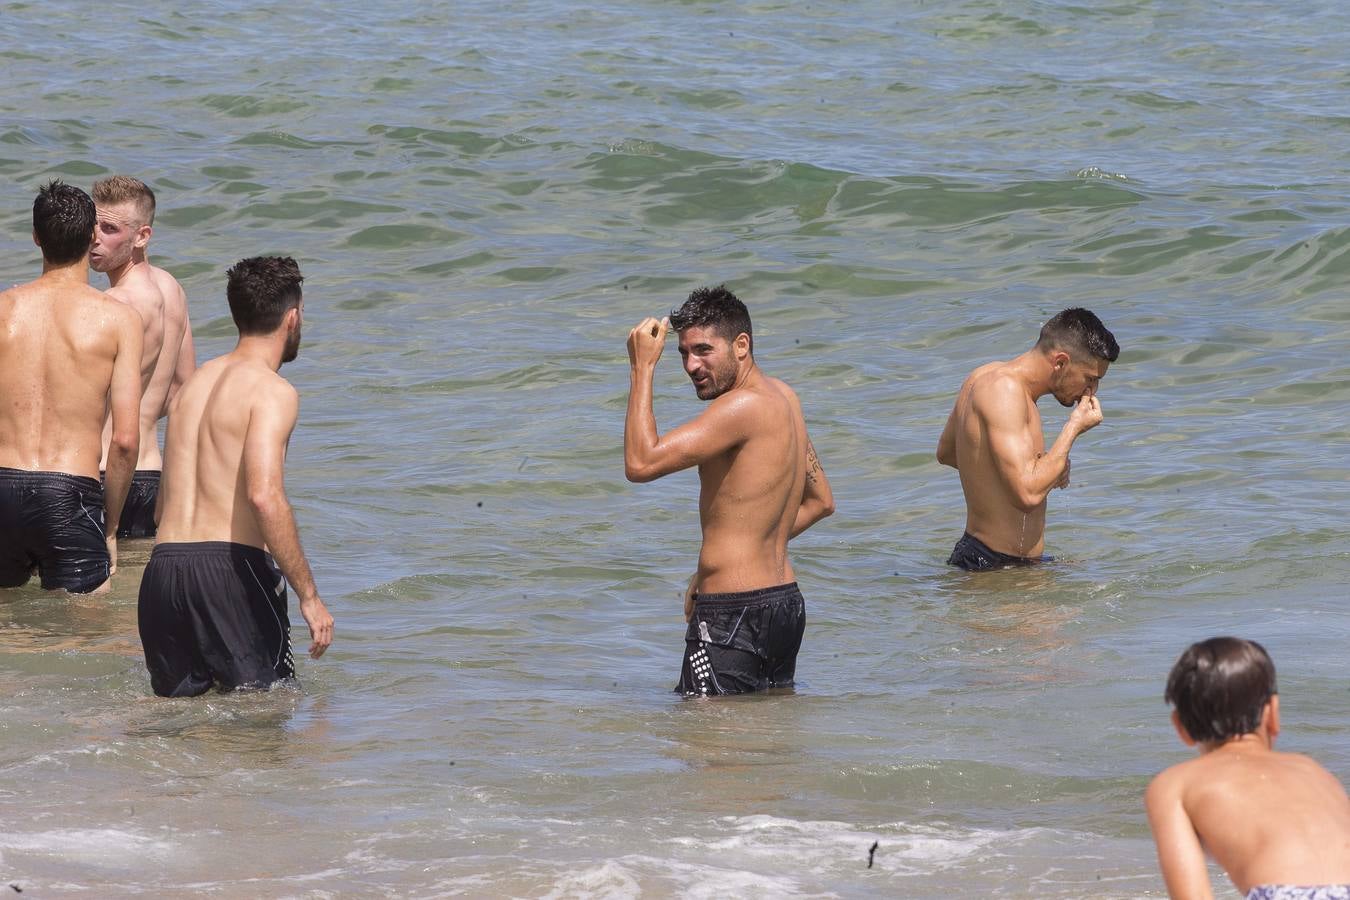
{"points": [[994, 389], [168, 286], [139, 291]]}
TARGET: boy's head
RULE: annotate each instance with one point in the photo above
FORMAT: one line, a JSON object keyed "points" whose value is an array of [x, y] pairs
{"points": [[1220, 688]]}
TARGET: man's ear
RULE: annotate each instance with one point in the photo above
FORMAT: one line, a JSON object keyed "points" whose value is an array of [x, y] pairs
{"points": [[1270, 717], [291, 319], [741, 345], [1181, 730], [1059, 360], [142, 237]]}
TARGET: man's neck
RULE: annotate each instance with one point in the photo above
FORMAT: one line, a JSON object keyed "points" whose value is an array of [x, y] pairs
{"points": [[1254, 740], [749, 374], [115, 276], [1033, 370], [67, 273], [264, 348]]}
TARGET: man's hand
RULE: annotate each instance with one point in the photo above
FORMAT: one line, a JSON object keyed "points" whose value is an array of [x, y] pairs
{"points": [[1086, 414], [646, 341], [320, 626], [111, 539]]}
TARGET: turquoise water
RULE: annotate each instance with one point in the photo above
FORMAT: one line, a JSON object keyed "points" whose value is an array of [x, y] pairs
{"points": [[484, 199]]}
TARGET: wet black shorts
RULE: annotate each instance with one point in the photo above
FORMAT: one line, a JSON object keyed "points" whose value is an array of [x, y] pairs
{"points": [[743, 642], [973, 556], [213, 612], [52, 522], [138, 513]]}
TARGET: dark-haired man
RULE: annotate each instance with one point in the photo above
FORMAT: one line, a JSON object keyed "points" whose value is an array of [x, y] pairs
{"points": [[1278, 823], [993, 438], [212, 603], [69, 356], [126, 215], [761, 484]]}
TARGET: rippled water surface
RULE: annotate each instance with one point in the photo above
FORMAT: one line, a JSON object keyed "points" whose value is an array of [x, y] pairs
{"points": [[484, 199]]}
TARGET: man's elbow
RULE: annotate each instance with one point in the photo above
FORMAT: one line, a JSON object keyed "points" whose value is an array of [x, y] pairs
{"points": [[1028, 502], [827, 508], [946, 457], [267, 502], [638, 474], [124, 443]]}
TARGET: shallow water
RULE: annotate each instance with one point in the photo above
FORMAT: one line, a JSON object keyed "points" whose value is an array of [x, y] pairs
{"points": [[484, 200]]}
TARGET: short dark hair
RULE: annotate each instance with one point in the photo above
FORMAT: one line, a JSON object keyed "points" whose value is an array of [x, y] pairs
{"points": [[717, 308], [63, 221], [1081, 333], [1220, 686], [260, 290]]}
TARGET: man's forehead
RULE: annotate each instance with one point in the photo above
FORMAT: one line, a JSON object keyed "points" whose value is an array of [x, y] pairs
{"points": [[121, 213], [700, 334]]}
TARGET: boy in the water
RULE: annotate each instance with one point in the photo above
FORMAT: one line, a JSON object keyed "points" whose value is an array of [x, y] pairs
{"points": [[1278, 823]]}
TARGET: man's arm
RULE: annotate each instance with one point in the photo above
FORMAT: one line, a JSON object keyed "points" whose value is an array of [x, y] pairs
{"points": [[648, 456], [269, 430], [124, 443], [946, 448], [1180, 855], [817, 498], [1030, 476], [187, 359]]}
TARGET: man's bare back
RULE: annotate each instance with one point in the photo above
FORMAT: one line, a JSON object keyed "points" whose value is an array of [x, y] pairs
{"points": [[1271, 819], [994, 439], [1266, 817], [62, 345], [204, 496], [69, 357]]}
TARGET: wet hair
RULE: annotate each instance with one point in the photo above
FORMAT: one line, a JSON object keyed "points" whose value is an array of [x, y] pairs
{"points": [[63, 221], [716, 308], [1081, 334], [1220, 686], [260, 290], [125, 189]]}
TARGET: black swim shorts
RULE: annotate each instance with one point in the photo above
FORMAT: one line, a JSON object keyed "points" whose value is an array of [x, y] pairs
{"points": [[52, 522], [973, 556], [742, 642], [138, 512], [213, 612]]}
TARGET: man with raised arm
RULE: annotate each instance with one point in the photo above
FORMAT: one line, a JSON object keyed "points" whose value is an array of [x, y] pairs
{"points": [[761, 484], [213, 603], [69, 357], [993, 438], [126, 214]]}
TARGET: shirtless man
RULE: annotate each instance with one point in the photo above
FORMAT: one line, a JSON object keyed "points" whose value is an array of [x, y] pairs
{"points": [[761, 485], [993, 438], [126, 213], [213, 604], [68, 357], [1278, 823]]}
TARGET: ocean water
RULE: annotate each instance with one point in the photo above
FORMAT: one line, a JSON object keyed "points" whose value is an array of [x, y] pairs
{"points": [[484, 198]]}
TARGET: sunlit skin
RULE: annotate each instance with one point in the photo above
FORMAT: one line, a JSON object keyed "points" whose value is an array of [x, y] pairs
{"points": [[69, 357], [1266, 817], [761, 482], [224, 461], [120, 240], [994, 439]]}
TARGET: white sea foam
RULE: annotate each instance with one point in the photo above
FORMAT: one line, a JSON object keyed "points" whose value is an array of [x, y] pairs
{"points": [[103, 847]]}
